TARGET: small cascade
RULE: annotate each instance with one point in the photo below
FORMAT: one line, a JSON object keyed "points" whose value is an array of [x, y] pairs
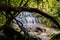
{"points": [[28, 18], [32, 24]]}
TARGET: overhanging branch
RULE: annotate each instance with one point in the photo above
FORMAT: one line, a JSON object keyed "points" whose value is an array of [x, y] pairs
{"points": [[19, 9]]}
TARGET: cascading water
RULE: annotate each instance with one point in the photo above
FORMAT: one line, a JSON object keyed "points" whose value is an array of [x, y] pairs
{"points": [[28, 18], [29, 21], [32, 23]]}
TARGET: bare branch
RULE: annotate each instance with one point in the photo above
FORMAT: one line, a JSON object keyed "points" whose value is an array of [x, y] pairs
{"points": [[8, 2], [21, 26], [26, 3], [21, 2]]}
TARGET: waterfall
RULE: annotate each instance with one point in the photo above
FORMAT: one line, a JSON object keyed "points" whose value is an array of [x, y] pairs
{"points": [[32, 24], [28, 18]]}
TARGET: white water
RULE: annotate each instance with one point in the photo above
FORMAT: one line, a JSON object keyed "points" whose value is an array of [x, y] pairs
{"points": [[31, 22], [28, 18]]}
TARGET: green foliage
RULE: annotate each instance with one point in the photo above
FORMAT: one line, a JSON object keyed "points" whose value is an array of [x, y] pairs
{"points": [[2, 19], [15, 2], [37, 1], [57, 14], [51, 7], [2, 1]]}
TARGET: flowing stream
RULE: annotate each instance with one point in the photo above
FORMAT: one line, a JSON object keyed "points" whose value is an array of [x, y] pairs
{"points": [[32, 23], [28, 18]]}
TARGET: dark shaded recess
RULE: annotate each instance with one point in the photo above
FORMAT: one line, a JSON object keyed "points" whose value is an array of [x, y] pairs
{"points": [[38, 29], [0, 28], [10, 34], [56, 37], [58, 0]]}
